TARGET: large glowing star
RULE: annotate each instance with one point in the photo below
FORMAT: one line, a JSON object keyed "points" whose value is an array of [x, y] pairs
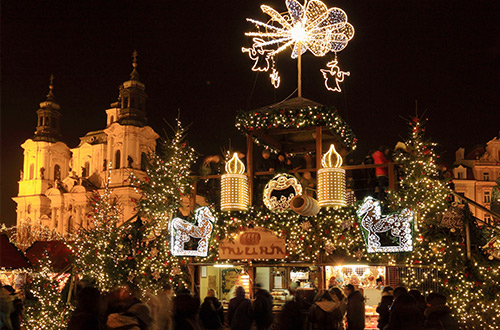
{"points": [[309, 27], [182, 231], [374, 223]]}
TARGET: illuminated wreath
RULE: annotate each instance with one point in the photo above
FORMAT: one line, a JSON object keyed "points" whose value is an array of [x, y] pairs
{"points": [[280, 190]]}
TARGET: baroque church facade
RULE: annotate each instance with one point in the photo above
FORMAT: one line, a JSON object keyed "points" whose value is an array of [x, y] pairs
{"points": [[476, 173], [56, 181]]}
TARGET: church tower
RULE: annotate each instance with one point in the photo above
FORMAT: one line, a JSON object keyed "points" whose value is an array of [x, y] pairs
{"points": [[133, 99], [46, 163]]}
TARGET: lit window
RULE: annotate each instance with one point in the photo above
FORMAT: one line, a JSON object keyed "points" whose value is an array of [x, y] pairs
{"points": [[487, 198]]}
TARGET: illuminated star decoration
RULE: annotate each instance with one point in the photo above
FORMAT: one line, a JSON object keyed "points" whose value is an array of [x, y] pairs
{"points": [[312, 26], [336, 75]]}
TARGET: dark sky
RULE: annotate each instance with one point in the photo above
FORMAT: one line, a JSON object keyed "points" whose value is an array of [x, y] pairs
{"points": [[445, 54]]}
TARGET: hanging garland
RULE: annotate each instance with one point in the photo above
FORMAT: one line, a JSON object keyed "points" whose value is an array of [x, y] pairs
{"points": [[248, 121]]}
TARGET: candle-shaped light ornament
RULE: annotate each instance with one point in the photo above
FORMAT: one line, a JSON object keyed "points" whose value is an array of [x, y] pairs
{"points": [[234, 186], [331, 180]]}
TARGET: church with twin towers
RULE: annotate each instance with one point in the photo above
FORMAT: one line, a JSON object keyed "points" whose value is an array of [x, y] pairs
{"points": [[56, 181]]}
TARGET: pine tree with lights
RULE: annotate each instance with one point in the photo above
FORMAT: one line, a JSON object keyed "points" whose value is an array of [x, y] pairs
{"points": [[101, 253], [420, 188], [167, 177], [470, 284], [46, 307]]}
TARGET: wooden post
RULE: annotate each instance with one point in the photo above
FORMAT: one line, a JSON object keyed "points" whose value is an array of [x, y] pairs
{"points": [[250, 166], [299, 72], [251, 279], [319, 147], [392, 177], [467, 238], [194, 193]]}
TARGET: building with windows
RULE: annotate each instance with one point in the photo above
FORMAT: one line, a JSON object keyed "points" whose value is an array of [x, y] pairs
{"points": [[56, 181], [475, 174]]}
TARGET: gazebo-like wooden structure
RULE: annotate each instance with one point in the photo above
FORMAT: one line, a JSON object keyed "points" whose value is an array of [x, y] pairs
{"points": [[295, 126]]}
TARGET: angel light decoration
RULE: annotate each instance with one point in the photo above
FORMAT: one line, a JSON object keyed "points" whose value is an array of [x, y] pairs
{"points": [[311, 26]]}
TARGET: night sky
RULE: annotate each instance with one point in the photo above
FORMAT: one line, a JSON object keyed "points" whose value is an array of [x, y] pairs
{"points": [[445, 54]]}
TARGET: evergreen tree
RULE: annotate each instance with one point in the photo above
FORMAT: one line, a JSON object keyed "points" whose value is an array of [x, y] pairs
{"points": [[101, 253], [420, 187], [46, 306], [470, 284]]}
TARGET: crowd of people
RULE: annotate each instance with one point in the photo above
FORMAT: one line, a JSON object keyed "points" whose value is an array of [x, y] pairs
{"points": [[333, 309]]}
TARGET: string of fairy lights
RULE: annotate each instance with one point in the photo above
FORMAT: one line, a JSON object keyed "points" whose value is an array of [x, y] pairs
{"points": [[305, 117]]}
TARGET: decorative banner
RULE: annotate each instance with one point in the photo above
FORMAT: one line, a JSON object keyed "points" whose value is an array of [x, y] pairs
{"points": [[255, 243], [396, 229], [453, 218], [280, 190], [234, 186], [331, 180], [182, 232]]}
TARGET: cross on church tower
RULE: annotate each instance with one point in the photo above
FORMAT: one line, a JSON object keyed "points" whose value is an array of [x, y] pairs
{"points": [[134, 56]]}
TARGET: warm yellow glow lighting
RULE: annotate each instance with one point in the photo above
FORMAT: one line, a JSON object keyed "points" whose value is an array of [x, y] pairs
{"points": [[235, 165], [333, 76], [332, 158], [234, 186], [310, 26]]}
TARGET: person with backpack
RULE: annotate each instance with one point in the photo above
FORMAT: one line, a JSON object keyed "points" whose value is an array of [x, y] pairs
{"points": [[325, 312]]}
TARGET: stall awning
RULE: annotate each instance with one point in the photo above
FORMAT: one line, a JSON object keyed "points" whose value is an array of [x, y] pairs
{"points": [[57, 251], [10, 256]]}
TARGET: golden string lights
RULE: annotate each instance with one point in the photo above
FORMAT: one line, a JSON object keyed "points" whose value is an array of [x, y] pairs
{"points": [[234, 186], [310, 26], [331, 180]]}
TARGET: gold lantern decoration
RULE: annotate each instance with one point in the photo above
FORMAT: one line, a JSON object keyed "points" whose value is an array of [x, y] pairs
{"points": [[331, 180], [234, 186]]}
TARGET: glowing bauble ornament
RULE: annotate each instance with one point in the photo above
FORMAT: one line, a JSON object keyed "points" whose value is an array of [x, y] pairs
{"points": [[234, 186], [331, 180]]}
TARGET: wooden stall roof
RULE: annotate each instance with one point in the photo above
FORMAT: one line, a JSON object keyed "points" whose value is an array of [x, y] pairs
{"points": [[57, 251], [291, 126], [10, 256]]}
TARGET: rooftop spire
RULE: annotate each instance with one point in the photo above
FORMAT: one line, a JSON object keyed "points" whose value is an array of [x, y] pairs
{"points": [[50, 96], [134, 75], [47, 128]]}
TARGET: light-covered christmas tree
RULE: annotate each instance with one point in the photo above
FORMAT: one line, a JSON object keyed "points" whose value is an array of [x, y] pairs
{"points": [[47, 306], [101, 253], [419, 187], [469, 283]]}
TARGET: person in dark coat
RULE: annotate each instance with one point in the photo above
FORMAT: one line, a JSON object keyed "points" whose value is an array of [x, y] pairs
{"points": [[337, 294], [17, 304], [134, 315], [87, 314], [239, 313], [355, 308], [383, 307], [437, 314], [405, 314], [290, 317], [211, 312], [262, 308], [185, 311], [325, 312], [420, 299]]}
